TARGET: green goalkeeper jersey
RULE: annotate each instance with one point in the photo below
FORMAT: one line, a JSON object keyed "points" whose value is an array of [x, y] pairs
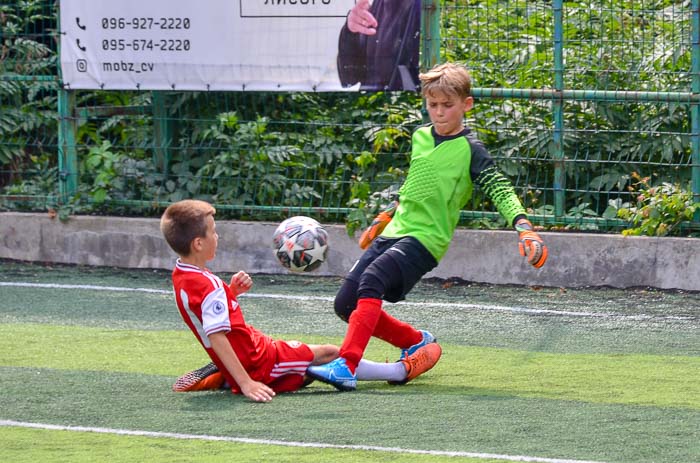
{"points": [[439, 184]]}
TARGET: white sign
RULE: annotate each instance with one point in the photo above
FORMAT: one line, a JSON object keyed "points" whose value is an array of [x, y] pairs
{"points": [[202, 45]]}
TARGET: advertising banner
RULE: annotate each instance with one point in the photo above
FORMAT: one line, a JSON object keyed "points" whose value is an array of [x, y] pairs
{"points": [[267, 45]]}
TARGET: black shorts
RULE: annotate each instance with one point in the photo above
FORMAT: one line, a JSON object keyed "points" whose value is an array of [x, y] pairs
{"points": [[399, 263]]}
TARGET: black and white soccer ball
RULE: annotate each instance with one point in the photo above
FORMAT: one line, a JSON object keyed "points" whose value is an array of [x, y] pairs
{"points": [[300, 244]]}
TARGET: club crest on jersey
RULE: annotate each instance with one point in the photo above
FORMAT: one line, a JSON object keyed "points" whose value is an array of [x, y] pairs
{"points": [[219, 307]]}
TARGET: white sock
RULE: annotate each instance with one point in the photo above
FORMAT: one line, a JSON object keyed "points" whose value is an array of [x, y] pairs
{"points": [[368, 370]]}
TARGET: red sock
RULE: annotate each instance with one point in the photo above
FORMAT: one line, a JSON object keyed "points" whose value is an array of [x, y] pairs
{"points": [[396, 332], [360, 328]]}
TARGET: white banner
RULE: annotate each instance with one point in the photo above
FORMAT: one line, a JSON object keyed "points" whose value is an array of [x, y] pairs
{"points": [[201, 45], [286, 45]]}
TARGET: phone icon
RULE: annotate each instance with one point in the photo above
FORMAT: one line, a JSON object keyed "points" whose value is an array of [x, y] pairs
{"points": [[77, 21], [77, 42]]}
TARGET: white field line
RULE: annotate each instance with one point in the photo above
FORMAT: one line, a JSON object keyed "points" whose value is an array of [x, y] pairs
{"points": [[314, 445], [423, 305]]}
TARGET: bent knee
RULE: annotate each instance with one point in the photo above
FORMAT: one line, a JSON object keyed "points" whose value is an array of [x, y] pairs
{"points": [[345, 302], [342, 310]]}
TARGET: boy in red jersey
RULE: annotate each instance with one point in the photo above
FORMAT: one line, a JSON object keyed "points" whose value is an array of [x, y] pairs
{"points": [[249, 361], [407, 241]]}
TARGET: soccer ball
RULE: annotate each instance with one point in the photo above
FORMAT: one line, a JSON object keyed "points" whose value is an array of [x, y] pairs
{"points": [[300, 244]]}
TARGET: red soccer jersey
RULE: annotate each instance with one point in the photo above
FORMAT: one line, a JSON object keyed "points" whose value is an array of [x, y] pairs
{"points": [[208, 306]]}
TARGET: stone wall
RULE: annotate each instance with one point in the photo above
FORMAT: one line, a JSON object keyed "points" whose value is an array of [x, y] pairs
{"points": [[575, 259]]}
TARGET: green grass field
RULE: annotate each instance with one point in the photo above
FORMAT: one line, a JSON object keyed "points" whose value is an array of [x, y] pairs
{"points": [[543, 375]]}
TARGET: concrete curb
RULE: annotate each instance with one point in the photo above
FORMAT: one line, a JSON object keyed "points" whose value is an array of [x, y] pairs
{"points": [[483, 256]]}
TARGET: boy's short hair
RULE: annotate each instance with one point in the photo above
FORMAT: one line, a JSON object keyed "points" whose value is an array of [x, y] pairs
{"points": [[447, 78], [184, 221]]}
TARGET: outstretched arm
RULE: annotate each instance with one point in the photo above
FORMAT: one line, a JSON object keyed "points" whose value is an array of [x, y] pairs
{"points": [[378, 225], [254, 390], [500, 190]]}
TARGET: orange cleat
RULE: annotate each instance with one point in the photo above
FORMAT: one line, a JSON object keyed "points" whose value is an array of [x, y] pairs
{"points": [[203, 379], [420, 361]]}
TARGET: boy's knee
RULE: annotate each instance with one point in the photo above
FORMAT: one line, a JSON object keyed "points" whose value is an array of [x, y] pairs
{"points": [[372, 285], [346, 300], [343, 310]]}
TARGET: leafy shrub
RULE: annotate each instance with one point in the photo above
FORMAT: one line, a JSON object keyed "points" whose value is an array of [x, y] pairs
{"points": [[110, 176], [659, 210]]}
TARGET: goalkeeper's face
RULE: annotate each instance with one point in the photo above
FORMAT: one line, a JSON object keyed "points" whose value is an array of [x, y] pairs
{"points": [[447, 112]]}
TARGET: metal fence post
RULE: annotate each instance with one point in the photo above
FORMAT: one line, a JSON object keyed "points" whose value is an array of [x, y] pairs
{"points": [[67, 154], [430, 34], [557, 147], [695, 107], [162, 132], [430, 40]]}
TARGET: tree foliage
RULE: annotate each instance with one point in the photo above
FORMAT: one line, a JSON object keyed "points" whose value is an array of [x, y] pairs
{"points": [[27, 102], [351, 151]]}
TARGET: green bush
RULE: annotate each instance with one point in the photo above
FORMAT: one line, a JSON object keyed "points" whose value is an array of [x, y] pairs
{"points": [[659, 210]]}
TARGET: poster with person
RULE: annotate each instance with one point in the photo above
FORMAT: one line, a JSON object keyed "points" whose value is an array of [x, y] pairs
{"points": [[238, 45]]}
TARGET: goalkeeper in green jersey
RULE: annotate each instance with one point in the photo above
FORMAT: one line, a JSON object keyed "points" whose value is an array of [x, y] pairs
{"points": [[408, 240]]}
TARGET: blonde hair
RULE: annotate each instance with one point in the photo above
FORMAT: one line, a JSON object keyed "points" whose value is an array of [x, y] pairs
{"points": [[448, 78], [184, 221]]}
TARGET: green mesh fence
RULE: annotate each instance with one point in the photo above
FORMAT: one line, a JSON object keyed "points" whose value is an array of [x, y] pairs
{"points": [[584, 105]]}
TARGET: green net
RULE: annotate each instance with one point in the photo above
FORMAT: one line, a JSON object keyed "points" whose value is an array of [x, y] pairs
{"points": [[584, 105]]}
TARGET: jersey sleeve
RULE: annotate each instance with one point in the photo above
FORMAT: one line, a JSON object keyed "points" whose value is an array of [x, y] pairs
{"points": [[493, 182], [500, 190], [481, 159], [215, 315]]}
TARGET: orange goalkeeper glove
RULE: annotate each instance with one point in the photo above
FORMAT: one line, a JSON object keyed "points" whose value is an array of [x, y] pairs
{"points": [[378, 225], [530, 244]]}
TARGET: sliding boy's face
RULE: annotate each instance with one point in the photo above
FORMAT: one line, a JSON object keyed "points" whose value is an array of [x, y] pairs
{"points": [[447, 112], [210, 241]]}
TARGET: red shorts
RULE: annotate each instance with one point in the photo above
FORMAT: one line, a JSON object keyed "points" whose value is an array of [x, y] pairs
{"points": [[292, 358]]}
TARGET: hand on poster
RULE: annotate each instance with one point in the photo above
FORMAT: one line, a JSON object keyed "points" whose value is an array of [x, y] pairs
{"points": [[360, 20]]}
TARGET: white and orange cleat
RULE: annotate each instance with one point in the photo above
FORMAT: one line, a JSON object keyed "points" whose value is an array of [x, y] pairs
{"points": [[420, 361]]}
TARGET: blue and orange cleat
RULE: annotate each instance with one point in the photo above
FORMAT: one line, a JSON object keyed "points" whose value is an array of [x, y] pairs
{"points": [[428, 338], [336, 373]]}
